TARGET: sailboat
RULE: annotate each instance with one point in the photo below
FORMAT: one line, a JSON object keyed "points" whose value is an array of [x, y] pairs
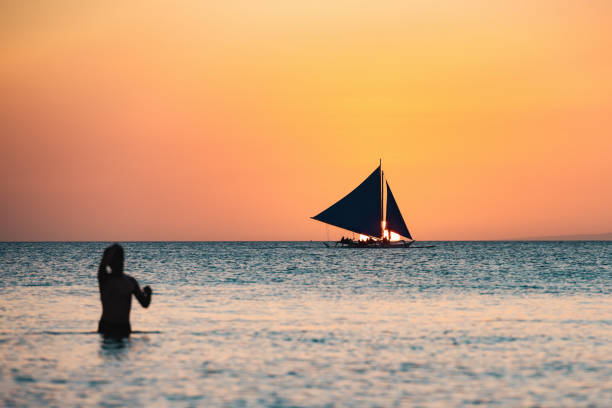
{"points": [[361, 212]]}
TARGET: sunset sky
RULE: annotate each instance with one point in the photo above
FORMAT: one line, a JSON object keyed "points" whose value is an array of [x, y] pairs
{"points": [[239, 120]]}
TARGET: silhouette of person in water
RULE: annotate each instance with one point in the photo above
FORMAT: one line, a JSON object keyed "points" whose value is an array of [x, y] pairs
{"points": [[116, 290]]}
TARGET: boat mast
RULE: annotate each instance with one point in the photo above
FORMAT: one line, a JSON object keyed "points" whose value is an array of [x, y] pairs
{"points": [[382, 232]]}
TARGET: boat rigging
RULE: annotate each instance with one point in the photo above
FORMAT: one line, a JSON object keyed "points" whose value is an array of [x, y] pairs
{"points": [[361, 212]]}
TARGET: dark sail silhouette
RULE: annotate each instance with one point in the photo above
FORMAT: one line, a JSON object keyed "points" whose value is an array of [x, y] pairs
{"points": [[395, 221], [360, 210]]}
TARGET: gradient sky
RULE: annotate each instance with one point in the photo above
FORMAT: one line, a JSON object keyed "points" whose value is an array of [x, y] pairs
{"points": [[238, 120]]}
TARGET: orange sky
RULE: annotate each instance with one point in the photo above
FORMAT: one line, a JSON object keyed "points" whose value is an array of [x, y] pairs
{"points": [[238, 120]]}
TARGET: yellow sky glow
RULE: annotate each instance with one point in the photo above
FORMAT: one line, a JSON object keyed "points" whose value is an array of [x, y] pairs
{"points": [[235, 120]]}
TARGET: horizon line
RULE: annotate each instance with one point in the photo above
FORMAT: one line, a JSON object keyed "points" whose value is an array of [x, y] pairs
{"points": [[533, 239]]}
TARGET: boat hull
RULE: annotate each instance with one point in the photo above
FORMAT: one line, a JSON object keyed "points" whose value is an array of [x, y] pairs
{"points": [[376, 244]]}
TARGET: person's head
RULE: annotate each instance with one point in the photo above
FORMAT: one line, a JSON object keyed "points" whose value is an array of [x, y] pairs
{"points": [[115, 259]]}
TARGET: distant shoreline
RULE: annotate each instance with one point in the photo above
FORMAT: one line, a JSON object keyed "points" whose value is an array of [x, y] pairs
{"points": [[576, 237]]}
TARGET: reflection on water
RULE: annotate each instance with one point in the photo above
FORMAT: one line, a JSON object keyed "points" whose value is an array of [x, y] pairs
{"points": [[118, 349], [507, 326], [115, 349]]}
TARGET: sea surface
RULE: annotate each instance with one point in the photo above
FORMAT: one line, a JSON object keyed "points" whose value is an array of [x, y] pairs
{"points": [[294, 324]]}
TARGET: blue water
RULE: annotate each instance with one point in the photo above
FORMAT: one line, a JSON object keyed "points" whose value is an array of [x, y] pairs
{"points": [[296, 324]]}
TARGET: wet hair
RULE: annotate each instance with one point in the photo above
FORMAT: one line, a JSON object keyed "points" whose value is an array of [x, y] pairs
{"points": [[117, 259]]}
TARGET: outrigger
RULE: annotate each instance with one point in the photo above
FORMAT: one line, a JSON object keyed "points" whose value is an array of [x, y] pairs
{"points": [[361, 212]]}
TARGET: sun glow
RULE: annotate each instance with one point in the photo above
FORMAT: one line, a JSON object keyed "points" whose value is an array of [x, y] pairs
{"points": [[390, 235], [363, 237]]}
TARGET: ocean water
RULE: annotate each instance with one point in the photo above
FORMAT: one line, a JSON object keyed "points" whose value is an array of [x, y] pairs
{"points": [[279, 324]]}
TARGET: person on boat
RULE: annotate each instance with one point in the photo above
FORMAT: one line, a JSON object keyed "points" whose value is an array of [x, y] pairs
{"points": [[116, 290]]}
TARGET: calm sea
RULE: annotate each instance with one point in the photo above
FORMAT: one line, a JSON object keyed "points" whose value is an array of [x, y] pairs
{"points": [[280, 324]]}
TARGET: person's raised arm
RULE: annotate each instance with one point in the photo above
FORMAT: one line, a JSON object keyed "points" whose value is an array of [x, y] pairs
{"points": [[144, 295]]}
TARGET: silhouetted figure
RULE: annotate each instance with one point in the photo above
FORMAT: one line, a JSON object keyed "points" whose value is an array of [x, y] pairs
{"points": [[116, 289]]}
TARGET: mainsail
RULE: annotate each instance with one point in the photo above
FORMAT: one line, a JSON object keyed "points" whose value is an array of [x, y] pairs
{"points": [[359, 211], [395, 221]]}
